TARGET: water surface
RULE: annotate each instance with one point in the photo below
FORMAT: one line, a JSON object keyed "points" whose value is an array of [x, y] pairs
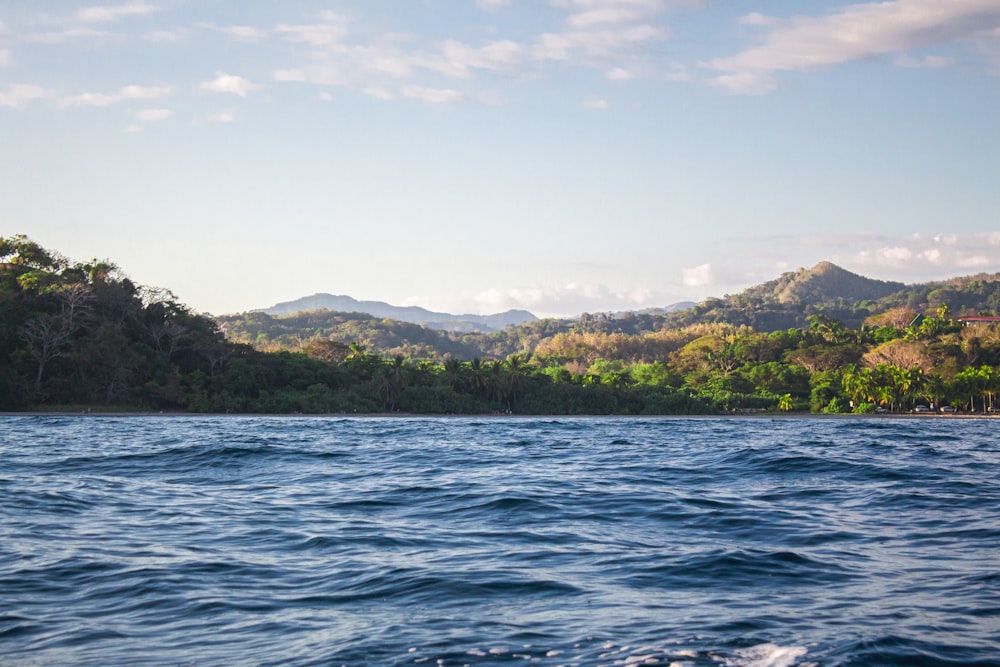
{"points": [[393, 541]]}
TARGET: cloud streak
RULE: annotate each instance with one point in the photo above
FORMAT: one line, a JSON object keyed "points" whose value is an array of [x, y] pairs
{"points": [[123, 94], [20, 95], [229, 83], [942, 252], [852, 33], [108, 13], [608, 36], [144, 116]]}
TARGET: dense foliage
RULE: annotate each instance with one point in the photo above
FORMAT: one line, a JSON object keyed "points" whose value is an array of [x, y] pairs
{"points": [[82, 335]]}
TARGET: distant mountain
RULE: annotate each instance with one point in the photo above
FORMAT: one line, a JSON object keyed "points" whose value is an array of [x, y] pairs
{"points": [[672, 308], [412, 314], [784, 303]]}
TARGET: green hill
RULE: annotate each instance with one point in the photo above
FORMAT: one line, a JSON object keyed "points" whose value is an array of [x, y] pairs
{"points": [[826, 288]]}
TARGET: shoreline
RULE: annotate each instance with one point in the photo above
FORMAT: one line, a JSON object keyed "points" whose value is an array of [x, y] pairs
{"points": [[411, 415]]}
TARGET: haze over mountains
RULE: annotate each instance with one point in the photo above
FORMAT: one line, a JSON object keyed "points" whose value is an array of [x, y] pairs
{"points": [[780, 303], [787, 302], [432, 320], [412, 314]]}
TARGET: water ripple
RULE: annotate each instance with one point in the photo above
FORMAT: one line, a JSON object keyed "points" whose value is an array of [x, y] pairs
{"points": [[483, 541]]}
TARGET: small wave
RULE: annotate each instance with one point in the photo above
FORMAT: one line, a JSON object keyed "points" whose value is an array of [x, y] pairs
{"points": [[736, 569], [766, 655], [899, 651], [701, 542]]}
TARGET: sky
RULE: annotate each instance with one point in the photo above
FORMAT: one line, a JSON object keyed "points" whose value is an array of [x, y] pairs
{"points": [[472, 156]]}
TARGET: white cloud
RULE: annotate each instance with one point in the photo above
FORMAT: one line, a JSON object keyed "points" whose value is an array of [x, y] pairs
{"points": [[855, 32], [586, 13], [166, 36], [567, 300], [225, 116], [66, 35], [19, 95], [492, 5], [339, 53], [597, 45], [331, 32], [745, 83], [926, 61], [698, 276], [103, 14], [144, 116], [458, 59], [229, 83], [594, 102], [244, 33], [434, 95], [974, 262], [378, 93], [289, 75], [950, 254], [153, 115], [108, 99], [90, 100], [755, 18]]}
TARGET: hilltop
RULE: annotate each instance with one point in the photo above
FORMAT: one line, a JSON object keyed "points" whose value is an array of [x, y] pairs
{"points": [[789, 300], [824, 284]]}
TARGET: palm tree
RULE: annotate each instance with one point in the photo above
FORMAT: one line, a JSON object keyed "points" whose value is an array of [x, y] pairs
{"points": [[991, 382], [934, 389], [858, 384], [496, 382], [516, 374], [385, 388], [399, 371], [969, 382], [453, 375], [477, 376], [913, 383]]}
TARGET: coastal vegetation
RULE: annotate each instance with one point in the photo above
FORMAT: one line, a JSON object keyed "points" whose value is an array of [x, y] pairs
{"points": [[82, 335]]}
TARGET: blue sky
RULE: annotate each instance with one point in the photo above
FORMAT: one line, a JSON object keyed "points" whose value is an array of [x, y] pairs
{"points": [[556, 155]]}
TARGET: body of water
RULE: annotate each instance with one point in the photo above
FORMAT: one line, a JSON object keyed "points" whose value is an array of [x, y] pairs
{"points": [[507, 541]]}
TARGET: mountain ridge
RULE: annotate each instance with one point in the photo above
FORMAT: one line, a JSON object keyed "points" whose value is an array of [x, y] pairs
{"points": [[411, 314], [786, 301]]}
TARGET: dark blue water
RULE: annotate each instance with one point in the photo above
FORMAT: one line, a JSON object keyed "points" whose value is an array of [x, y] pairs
{"points": [[324, 541]]}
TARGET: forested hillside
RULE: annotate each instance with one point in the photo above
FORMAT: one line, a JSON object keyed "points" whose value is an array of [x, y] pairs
{"points": [[790, 300], [82, 332], [78, 335]]}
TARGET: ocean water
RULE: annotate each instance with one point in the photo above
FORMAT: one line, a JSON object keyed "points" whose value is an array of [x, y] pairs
{"points": [[721, 542]]}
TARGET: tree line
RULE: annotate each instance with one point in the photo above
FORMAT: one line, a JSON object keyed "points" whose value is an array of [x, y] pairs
{"points": [[79, 335]]}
